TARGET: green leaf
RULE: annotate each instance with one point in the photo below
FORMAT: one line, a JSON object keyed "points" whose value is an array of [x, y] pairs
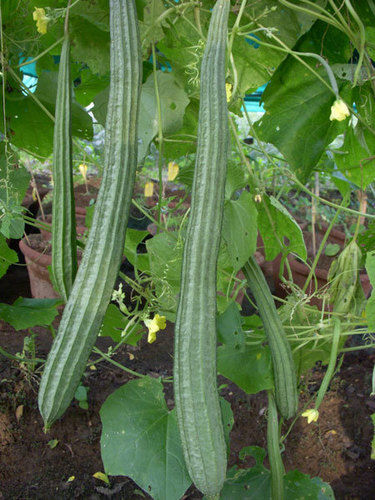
{"points": [[12, 226], [140, 439], [332, 249], [298, 104], [249, 367], [229, 326], [26, 313], [53, 443], [7, 256], [31, 128], [228, 420], [237, 178], [300, 486], [150, 31], [46, 92], [373, 439], [255, 483], [239, 232], [277, 225], [133, 238], [173, 101], [81, 393], [370, 306], [90, 44], [94, 11], [165, 254], [355, 159], [187, 133], [14, 180], [115, 322]]}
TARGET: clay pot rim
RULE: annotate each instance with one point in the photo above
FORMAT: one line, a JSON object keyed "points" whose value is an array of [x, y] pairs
{"points": [[37, 257]]}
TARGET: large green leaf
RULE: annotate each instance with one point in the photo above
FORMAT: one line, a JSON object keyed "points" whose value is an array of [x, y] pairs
{"points": [[250, 368], [26, 313], [298, 104], [90, 44], [7, 256], [133, 238], [255, 483], [165, 254], [355, 159], [277, 226], [239, 232], [140, 439], [229, 327], [30, 127], [46, 92], [255, 63], [173, 101]]}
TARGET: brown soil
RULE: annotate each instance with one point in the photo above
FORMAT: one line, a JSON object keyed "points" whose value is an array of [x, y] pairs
{"points": [[84, 197], [336, 448]]}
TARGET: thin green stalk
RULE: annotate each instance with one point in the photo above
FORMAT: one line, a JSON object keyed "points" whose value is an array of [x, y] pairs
{"points": [[118, 365], [19, 358], [321, 247], [273, 448], [160, 132], [46, 51], [326, 16], [332, 363], [358, 348], [362, 40]]}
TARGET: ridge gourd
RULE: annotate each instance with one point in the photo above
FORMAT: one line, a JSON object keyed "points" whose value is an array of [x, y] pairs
{"points": [[92, 289], [195, 376]]}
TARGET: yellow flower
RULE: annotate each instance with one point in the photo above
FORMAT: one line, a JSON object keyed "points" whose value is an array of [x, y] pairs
{"points": [[83, 170], [228, 89], [339, 110], [149, 189], [39, 15], [172, 170], [154, 325], [312, 415]]}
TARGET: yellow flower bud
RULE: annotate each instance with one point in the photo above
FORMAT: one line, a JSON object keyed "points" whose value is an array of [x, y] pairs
{"points": [[149, 189], [339, 110], [39, 15], [312, 415], [83, 170], [228, 89], [154, 325], [172, 170]]}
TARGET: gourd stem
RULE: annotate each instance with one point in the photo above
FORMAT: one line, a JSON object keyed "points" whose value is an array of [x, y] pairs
{"points": [[273, 447], [332, 362]]}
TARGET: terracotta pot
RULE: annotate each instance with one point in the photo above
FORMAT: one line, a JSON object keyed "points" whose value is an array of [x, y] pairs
{"points": [[300, 273], [37, 267], [46, 235]]}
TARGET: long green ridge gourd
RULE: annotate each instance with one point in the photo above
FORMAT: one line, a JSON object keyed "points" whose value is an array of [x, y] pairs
{"points": [[273, 448], [195, 376], [64, 247], [92, 289], [281, 353]]}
